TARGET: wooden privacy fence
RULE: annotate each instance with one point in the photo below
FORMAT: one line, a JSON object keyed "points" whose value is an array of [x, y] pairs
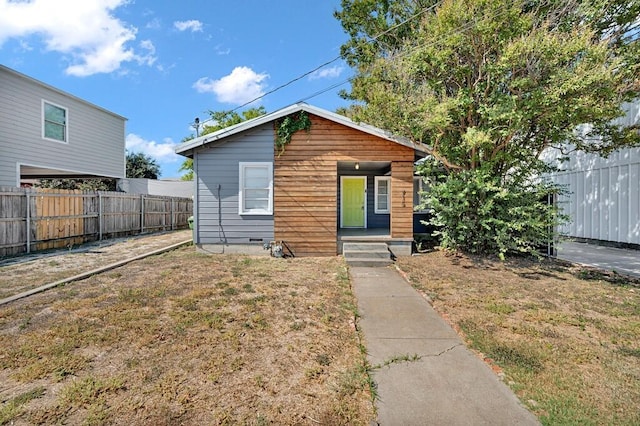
{"points": [[39, 219]]}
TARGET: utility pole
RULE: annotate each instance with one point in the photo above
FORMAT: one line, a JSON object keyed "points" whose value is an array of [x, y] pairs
{"points": [[196, 125]]}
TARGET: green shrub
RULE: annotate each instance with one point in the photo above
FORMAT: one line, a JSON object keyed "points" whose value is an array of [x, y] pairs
{"points": [[476, 212]]}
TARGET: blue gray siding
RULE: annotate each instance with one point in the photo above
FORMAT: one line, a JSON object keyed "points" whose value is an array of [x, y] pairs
{"points": [[96, 137], [220, 167]]}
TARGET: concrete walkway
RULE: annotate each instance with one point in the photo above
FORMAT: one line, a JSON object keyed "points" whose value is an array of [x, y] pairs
{"points": [[446, 384], [624, 261]]}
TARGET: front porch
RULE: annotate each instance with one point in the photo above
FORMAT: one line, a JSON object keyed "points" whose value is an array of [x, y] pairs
{"points": [[397, 246]]}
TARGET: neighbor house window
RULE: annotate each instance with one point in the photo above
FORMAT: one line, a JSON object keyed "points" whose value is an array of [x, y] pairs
{"points": [[419, 189], [382, 194], [256, 188], [54, 122]]}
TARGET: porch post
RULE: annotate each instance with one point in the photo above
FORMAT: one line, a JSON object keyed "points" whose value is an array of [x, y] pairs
{"points": [[401, 220]]}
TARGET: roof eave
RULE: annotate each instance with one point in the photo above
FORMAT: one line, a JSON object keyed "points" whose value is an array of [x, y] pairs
{"points": [[187, 148]]}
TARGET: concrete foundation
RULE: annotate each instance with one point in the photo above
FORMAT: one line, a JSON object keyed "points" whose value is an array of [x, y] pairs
{"points": [[250, 249]]}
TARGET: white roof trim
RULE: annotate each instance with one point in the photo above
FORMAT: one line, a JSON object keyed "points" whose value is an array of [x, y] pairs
{"points": [[337, 118]]}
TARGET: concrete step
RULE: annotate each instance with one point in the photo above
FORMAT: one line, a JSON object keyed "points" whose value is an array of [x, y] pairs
{"points": [[366, 254], [369, 261], [350, 254], [361, 246]]}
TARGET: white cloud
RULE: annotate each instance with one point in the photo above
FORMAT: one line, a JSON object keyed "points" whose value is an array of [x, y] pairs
{"points": [[84, 30], [162, 152], [153, 24], [241, 86], [192, 25], [25, 46], [220, 51], [332, 72]]}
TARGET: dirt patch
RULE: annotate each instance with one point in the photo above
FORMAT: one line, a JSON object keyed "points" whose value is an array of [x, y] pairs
{"points": [[565, 338], [186, 338], [23, 273]]}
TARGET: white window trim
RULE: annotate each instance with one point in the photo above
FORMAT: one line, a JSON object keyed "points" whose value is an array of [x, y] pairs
{"points": [[376, 209], [66, 122], [420, 189], [244, 165]]}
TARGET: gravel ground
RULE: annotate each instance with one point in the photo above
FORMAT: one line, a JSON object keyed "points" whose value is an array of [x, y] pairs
{"points": [[18, 274]]}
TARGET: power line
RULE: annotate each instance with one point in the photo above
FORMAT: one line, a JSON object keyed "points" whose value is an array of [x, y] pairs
{"points": [[288, 83], [407, 52], [460, 30], [499, 11]]}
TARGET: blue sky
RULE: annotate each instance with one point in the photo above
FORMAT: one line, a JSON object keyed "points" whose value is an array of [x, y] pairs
{"points": [[163, 63]]}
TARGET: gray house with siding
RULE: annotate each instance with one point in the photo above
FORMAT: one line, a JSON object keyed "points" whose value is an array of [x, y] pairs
{"points": [[340, 181], [217, 196], [48, 133]]}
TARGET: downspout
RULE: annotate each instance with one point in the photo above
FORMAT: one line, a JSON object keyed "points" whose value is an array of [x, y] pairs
{"points": [[196, 205], [220, 216]]}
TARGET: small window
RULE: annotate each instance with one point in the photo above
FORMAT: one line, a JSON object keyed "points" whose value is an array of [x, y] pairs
{"points": [[256, 188], [54, 122], [382, 194], [419, 188]]}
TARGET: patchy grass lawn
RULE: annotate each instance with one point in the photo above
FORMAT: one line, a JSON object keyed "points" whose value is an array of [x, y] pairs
{"points": [[184, 338], [22, 273], [566, 339]]}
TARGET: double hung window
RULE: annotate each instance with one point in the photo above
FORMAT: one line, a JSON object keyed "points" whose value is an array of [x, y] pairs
{"points": [[382, 194], [256, 188], [54, 122]]}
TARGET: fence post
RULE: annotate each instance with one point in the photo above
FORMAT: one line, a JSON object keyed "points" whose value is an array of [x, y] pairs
{"points": [[172, 208], [100, 215], [28, 221], [141, 213]]}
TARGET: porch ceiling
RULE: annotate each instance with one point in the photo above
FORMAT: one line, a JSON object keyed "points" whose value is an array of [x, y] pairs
{"points": [[31, 172], [364, 166]]}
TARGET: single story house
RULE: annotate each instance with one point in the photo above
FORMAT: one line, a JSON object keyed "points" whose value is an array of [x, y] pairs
{"points": [[338, 181]]}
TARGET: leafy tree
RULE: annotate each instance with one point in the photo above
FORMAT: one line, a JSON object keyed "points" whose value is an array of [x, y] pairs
{"points": [[489, 86], [140, 165], [88, 184], [187, 166], [219, 120]]}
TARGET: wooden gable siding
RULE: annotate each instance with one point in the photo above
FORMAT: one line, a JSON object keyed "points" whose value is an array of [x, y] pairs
{"points": [[306, 185]]}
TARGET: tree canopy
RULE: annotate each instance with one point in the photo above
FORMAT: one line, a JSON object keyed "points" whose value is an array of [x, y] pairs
{"points": [[140, 165], [219, 120], [488, 86]]}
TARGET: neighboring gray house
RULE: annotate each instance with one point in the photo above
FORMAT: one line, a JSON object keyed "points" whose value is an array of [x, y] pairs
{"points": [[167, 188], [47, 133], [603, 199]]}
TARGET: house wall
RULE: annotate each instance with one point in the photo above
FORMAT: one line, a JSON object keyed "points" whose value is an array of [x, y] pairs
{"points": [[604, 193], [219, 165], [168, 188], [604, 197], [306, 181], [96, 137]]}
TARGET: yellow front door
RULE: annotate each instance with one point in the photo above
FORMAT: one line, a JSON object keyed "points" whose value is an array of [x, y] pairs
{"points": [[353, 204]]}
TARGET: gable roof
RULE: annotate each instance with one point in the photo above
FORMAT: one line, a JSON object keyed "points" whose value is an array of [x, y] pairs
{"points": [[188, 147], [55, 89]]}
